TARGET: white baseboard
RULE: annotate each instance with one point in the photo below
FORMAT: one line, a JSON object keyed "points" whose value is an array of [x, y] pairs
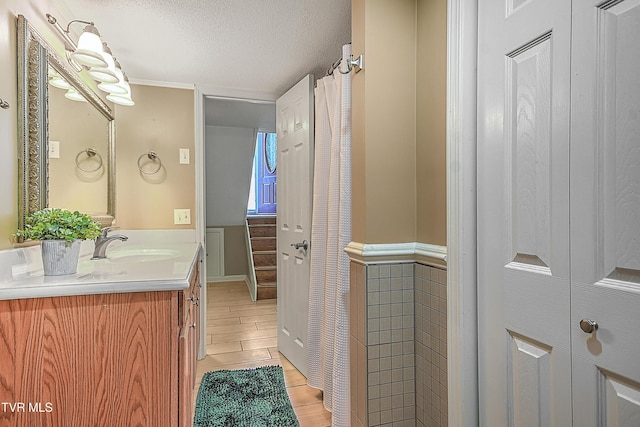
{"points": [[234, 278]]}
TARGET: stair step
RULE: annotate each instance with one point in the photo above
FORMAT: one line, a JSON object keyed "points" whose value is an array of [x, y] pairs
{"points": [[267, 290], [268, 284], [261, 220], [264, 258], [263, 243], [266, 274], [262, 230]]}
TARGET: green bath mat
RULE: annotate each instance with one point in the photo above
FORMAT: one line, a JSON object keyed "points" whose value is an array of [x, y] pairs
{"points": [[244, 398]]}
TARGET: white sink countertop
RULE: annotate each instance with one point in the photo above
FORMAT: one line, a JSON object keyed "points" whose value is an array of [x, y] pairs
{"points": [[135, 267]]}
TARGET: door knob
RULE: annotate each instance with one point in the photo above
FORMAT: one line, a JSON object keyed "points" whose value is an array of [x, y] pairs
{"points": [[304, 245], [588, 326]]}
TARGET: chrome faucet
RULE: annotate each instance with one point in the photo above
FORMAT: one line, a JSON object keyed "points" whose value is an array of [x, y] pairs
{"points": [[103, 240]]}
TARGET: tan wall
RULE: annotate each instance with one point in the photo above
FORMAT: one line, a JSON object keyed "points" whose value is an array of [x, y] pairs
{"points": [[399, 169], [358, 148], [235, 251], [431, 121], [389, 121], [161, 121]]}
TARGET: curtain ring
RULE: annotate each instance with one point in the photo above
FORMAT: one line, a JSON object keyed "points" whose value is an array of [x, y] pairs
{"points": [[153, 157], [90, 152]]}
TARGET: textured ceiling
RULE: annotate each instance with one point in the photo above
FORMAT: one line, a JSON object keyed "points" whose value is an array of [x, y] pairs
{"points": [[255, 45]]}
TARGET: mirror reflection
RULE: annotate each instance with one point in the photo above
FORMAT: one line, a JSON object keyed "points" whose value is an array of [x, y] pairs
{"points": [[78, 150]]}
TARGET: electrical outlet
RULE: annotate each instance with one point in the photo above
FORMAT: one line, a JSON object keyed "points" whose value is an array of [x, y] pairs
{"points": [[54, 149], [184, 156], [182, 216]]}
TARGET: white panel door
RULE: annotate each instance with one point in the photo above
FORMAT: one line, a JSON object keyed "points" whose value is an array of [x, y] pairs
{"points": [[605, 212], [294, 122], [523, 212]]}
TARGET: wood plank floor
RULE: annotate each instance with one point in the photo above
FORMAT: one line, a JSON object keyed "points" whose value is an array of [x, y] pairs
{"points": [[242, 334]]}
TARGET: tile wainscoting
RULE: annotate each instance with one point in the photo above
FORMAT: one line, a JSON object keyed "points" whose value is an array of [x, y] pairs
{"points": [[398, 344]]}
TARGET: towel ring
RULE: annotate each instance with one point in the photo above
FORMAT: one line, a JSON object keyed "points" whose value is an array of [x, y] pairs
{"points": [[90, 152], [153, 157]]}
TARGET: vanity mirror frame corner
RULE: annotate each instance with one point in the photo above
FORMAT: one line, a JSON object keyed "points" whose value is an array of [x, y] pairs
{"points": [[35, 55]]}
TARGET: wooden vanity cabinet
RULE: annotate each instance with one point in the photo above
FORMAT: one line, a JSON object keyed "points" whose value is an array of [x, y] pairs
{"points": [[124, 359], [188, 347]]}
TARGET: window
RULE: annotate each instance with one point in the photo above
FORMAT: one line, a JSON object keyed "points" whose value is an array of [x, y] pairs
{"points": [[262, 195]]}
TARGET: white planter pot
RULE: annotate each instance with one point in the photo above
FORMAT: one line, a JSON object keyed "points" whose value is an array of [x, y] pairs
{"points": [[60, 257]]}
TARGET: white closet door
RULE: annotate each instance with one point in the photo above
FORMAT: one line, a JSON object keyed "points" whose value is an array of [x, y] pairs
{"points": [[523, 213], [605, 212]]}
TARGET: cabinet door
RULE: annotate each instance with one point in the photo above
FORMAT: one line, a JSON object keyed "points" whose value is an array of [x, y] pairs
{"points": [[186, 369], [188, 346], [195, 318], [91, 360]]}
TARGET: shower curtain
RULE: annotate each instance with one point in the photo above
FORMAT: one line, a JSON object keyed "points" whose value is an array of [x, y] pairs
{"points": [[328, 331]]}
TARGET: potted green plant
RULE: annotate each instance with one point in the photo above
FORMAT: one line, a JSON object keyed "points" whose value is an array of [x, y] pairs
{"points": [[60, 232]]}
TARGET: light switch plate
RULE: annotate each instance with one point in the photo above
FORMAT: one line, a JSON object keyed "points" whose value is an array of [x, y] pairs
{"points": [[184, 156], [182, 216], [54, 149]]}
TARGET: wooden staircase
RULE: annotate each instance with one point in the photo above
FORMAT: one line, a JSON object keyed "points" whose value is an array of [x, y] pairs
{"points": [[262, 232]]}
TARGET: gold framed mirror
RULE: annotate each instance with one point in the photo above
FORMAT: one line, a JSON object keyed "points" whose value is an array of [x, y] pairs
{"points": [[66, 147]]}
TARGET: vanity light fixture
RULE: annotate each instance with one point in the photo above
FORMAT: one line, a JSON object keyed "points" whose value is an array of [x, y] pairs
{"points": [[93, 55], [117, 87], [74, 95], [59, 82], [121, 99], [56, 80], [124, 99], [108, 73], [89, 51]]}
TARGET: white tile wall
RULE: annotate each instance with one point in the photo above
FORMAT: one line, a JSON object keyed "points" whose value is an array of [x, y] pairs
{"points": [[398, 345], [390, 345], [431, 346]]}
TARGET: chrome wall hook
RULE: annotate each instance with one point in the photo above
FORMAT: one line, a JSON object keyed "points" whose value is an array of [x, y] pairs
{"points": [[354, 64]]}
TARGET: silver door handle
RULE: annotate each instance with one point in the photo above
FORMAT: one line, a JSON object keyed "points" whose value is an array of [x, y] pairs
{"points": [[588, 326], [304, 245]]}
